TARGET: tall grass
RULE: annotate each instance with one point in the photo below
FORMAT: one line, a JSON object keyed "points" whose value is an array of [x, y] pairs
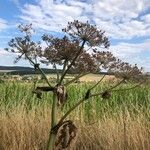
{"points": [[123, 121]]}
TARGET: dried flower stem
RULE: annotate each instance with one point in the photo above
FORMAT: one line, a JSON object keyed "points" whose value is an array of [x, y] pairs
{"points": [[119, 83], [70, 110], [70, 65], [110, 89], [75, 106], [97, 82], [37, 67], [128, 88], [92, 95]]}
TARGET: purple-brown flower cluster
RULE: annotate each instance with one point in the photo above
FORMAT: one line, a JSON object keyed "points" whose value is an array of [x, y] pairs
{"points": [[69, 52], [24, 46], [88, 33], [60, 50]]}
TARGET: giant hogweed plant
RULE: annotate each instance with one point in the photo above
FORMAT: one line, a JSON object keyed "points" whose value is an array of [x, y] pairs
{"points": [[77, 52]]}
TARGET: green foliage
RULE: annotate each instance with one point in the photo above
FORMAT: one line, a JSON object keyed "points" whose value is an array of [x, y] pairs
{"points": [[136, 100]]}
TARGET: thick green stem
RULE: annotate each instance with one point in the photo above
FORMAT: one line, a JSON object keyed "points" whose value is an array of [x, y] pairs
{"points": [[51, 142], [52, 135]]}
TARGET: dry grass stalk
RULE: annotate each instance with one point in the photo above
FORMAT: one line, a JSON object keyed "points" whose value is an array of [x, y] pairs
{"points": [[22, 131]]}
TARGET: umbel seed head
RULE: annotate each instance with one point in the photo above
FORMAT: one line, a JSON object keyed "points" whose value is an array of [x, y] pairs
{"points": [[87, 32]]}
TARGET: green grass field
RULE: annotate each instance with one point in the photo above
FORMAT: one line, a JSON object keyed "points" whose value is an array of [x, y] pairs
{"points": [[123, 121]]}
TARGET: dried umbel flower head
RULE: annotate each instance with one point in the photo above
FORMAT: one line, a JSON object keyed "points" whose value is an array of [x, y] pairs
{"points": [[85, 63], [66, 136], [87, 32], [126, 71], [24, 45], [27, 29], [60, 50], [103, 58]]}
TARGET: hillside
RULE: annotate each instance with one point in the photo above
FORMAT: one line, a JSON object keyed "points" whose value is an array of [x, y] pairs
{"points": [[27, 70], [22, 70]]}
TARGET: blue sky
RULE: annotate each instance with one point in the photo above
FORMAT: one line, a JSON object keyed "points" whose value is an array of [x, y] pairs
{"points": [[126, 22]]}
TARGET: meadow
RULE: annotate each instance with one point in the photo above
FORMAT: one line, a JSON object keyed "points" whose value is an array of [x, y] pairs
{"points": [[121, 122]]}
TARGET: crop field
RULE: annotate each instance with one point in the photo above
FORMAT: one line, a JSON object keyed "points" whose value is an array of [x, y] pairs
{"points": [[119, 123]]}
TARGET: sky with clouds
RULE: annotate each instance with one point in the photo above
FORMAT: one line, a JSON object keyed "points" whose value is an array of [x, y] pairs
{"points": [[126, 22]]}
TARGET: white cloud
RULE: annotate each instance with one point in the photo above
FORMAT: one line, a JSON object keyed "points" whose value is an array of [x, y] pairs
{"points": [[121, 9], [117, 17], [121, 19], [146, 18], [3, 24], [3, 52], [133, 53], [130, 49], [49, 16]]}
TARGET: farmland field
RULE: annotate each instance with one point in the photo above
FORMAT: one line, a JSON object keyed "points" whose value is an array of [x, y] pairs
{"points": [[121, 122]]}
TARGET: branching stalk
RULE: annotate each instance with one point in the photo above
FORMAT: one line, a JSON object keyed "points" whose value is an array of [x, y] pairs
{"points": [[113, 87], [70, 110], [110, 89], [79, 31], [70, 65], [92, 95], [128, 88], [37, 67], [97, 82]]}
